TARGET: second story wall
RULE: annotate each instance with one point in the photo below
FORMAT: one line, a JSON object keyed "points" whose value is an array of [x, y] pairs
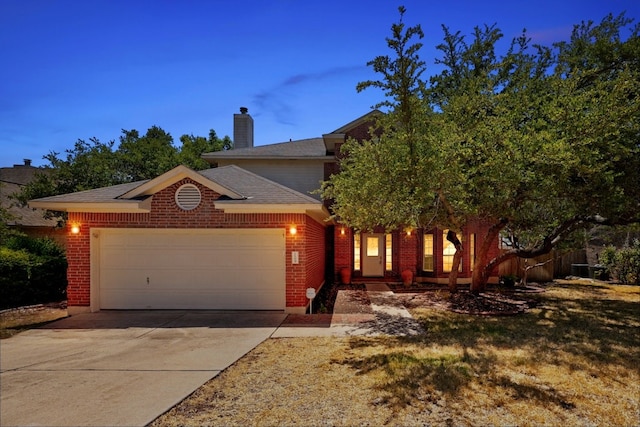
{"points": [[303, 176]]}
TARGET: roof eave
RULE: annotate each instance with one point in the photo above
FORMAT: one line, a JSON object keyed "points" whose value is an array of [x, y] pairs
{"points": [[272, 157], [133, 206], [316, 211]]}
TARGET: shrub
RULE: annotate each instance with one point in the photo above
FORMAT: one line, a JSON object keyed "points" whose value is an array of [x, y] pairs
{"points": [[15, 270], [624, 264], [508, 281], [40, 246], [32, 271]]}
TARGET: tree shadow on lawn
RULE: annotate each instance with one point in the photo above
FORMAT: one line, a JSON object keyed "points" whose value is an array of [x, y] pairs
{"points": [[575, 327]]}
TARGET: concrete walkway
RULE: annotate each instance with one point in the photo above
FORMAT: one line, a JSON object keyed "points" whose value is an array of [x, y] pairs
{"points": [[375, 311]]}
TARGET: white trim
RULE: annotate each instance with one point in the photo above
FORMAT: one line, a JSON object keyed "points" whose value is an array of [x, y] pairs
{"points": [[125, 206], [94, 263], [316, 211]]}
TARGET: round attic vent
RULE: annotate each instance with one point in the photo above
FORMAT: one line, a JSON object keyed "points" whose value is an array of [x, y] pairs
{"points": [[188, 197]]}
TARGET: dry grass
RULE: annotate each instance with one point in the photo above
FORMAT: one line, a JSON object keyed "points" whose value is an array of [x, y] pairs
{"points": [[572, 360], [16, 321]]}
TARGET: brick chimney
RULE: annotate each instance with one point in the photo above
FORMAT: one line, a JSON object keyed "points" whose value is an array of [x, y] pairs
{"points": [[242, 129]]}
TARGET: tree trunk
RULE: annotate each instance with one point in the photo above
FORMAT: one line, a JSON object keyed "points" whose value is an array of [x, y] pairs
{"points": [[457, 257], [482, 267]]}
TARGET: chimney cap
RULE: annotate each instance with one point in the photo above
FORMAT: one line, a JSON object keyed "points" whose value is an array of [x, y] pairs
{"points": [[244, 110]]}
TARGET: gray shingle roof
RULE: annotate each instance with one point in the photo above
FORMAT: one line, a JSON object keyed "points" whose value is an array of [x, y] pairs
{"points": [[12, 180], [21, 215], [20, 174], [304, 148], [98, 195], [254, 189]]}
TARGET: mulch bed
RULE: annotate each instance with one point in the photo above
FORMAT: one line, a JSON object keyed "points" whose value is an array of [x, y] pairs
{"points": [[497, 301], [465, 302]]}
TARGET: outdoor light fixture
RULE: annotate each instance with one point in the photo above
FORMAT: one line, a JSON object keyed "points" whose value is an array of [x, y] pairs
{"points": [[342, 231], [75, 229], [408, 232], [293, 230]]}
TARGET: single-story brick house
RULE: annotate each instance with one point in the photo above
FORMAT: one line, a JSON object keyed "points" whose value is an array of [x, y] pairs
{"points": [[248, 233]]}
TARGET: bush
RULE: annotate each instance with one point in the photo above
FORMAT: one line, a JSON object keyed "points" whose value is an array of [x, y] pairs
{"points": [[508, 281], [623, 264], [32, 271], [41, 246], [15, 270]]}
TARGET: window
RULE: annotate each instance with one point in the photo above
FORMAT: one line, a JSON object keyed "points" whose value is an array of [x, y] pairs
{"points": [[356, 251], [372, 246], [427, 261], [388, 253], [448, 251], [472, 250]]}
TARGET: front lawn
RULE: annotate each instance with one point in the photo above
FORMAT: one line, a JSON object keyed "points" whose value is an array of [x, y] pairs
{"points": [[574, 359]]}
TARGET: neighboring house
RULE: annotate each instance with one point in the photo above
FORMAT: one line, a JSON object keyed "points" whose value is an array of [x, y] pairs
{"points": [[23, 218], [249, 233]]}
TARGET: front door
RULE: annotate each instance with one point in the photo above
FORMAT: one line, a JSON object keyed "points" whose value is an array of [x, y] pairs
{"points": [[372, 255]]}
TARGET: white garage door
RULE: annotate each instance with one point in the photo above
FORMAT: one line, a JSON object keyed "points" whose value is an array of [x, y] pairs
{"points": [[192, 269]]}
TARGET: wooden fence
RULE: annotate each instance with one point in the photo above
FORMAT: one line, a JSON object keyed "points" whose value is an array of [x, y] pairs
{"points": [[552, 265]]}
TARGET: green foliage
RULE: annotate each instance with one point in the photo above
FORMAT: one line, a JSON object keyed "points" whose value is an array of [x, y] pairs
{"points": [[5, 217], [37, 246], [381, 180], [194, 146], [540, 140], [31, 271], [623, 263], [145, 157]]}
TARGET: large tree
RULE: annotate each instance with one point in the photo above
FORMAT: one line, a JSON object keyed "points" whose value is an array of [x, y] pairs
{"points": [[540, 141]]}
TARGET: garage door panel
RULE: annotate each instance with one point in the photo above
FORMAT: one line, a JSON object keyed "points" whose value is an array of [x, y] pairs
{"points": [[200, 269], [193, 300]]}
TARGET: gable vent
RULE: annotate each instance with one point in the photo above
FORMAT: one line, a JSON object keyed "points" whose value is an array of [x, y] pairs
{"points": [[188, 197]]}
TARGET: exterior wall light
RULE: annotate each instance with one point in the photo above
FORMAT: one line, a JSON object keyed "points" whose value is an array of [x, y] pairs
{"points": [[342, 231], [408, 232], [293, 230], [75, 229]]}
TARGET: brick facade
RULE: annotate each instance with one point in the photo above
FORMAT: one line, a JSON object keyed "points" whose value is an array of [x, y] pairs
{"points": [[407, 249], [408, 252], [308, 240]]}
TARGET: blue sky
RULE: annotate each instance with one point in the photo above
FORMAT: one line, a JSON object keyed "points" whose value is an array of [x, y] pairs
{"points": [[76, 69]]}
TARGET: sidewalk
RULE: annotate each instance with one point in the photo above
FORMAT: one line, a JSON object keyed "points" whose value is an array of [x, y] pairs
{"points": [[375, 311]]}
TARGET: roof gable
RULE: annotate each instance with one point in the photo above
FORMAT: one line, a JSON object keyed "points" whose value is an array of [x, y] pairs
{"points": [[370, 116], [245, 191], [171, 177]]}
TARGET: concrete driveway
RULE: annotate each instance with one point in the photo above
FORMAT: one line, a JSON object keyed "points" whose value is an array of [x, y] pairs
{"points": [[120, 368]]}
